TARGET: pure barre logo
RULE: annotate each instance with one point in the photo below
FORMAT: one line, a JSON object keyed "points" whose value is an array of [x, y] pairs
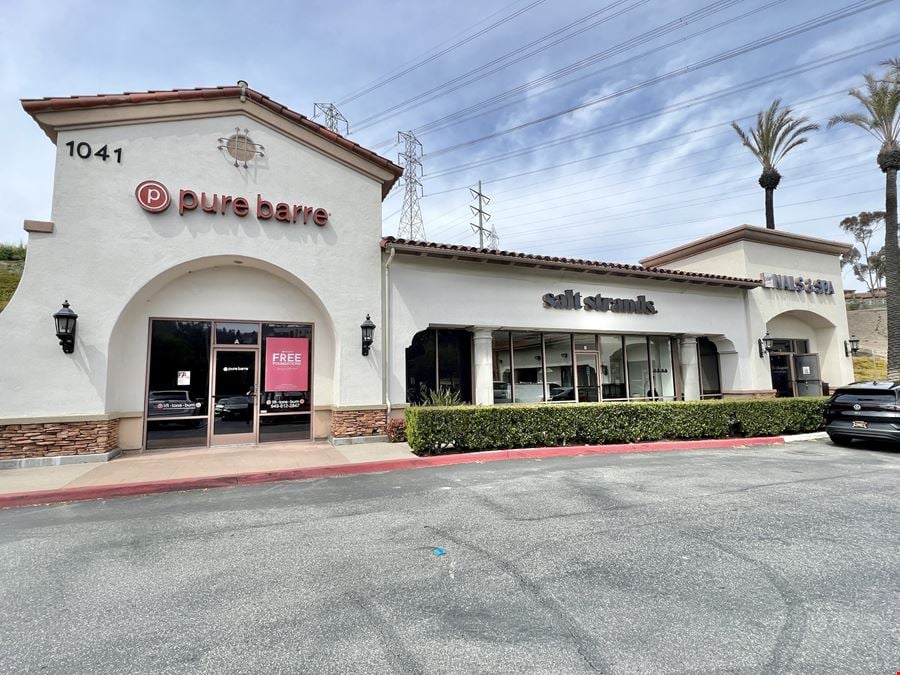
{"points": [[569, 299], [154, 197]]}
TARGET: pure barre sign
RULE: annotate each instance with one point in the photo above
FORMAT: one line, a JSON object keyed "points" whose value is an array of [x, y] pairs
{"points": [[154, 197], [569, 299]]}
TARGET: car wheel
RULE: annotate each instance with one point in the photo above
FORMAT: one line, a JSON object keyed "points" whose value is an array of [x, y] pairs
{"points": [[843, 441]]}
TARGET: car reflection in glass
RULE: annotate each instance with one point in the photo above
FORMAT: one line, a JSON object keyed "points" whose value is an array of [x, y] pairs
{"points": [[233, 408], [171, 403]]}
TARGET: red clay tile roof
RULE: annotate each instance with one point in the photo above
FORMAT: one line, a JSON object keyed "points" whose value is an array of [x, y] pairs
{"points": [[575, 264], [48, 104]]}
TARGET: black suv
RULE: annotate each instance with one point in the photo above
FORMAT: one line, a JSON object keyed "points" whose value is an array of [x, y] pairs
{"points": [[864, 410]]}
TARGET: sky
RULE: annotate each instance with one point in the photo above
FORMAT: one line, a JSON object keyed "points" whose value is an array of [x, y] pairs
{"points": [[599, 130]]}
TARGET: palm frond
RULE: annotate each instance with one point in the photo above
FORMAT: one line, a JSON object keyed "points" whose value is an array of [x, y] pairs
{"points": [[746, 141], [776, 133], [881, 100]]}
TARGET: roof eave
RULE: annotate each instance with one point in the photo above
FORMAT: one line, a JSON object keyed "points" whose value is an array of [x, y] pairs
{"points": [[523, 260], [747, 233], [53, 114]]}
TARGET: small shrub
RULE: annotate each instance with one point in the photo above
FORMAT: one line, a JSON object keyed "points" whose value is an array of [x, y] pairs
{"points": [[12, 252], [433, 429], [443, 396], [396, 430]]}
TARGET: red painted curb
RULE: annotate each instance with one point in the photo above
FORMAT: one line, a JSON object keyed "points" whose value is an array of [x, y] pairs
{"points": [[36, 497]]}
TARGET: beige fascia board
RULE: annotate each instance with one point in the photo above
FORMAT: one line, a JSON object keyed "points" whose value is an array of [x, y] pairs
{"points": [[748, 233], [54, 121]]}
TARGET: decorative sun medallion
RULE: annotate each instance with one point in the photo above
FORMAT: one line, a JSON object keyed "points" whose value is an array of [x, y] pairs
{"points": [[240, 147]]}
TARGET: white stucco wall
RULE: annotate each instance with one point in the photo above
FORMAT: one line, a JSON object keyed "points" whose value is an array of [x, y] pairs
{"points": [[430, 292], [105, 250], [209, 292], [822, 319]]}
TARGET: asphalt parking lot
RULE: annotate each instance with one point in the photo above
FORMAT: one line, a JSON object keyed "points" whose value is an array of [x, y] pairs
{"points": [[767, 559]]}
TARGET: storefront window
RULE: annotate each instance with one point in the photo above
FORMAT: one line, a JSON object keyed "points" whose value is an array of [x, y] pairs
{"points": [[585, 342], [455, 362], [662, 369], [581, 367], [235, 333], [178, 384], [439, 361], [285, 402], [613, 367], [421, 366], [528, 376], [636, 357], [558, 352], [502, 367]]}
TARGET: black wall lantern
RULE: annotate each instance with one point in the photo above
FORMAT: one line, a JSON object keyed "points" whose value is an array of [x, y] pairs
{"points": [[851, 346], [765, 345], [65, 320], [368, 332]]}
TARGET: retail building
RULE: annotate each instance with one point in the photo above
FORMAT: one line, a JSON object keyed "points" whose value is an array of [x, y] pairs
{"points": [[225, 260]]}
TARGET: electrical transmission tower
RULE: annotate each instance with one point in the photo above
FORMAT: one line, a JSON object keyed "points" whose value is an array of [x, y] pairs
{"points": [[334, 120], [493, 240], [411, 225]]}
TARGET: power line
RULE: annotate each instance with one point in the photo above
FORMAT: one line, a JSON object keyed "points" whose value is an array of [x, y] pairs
{"points": [[447, 232], [668, 207], [481, 108], [718, 216], [676, 107], [733, 147], [639, 146], [456, 45], [436, 47], [466, 78], [772, 38], [675, 240], [672, 206], [729, 181]]}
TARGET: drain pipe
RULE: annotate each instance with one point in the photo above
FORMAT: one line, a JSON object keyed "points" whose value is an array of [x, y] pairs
{"points": [[386, 333]]}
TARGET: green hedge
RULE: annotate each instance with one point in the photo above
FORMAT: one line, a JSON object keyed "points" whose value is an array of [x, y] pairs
{"points": [[431, 430]]}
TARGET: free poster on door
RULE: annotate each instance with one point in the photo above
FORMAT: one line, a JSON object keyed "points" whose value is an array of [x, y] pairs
{"points": [[287, 364]]}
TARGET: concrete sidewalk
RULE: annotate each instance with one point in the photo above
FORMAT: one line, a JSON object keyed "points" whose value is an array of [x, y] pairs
{"points": [[177, 470], [173, 465]]}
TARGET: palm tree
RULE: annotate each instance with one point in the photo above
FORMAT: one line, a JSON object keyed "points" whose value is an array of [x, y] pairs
{"points": [[881, 100], [777, 132]]}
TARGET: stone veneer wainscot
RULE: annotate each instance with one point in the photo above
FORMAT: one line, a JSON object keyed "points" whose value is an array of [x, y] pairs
{"points": [[346, 423], [51, 439]]}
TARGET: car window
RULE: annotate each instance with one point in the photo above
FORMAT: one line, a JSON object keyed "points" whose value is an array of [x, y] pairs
{"points": [[865, 397]]}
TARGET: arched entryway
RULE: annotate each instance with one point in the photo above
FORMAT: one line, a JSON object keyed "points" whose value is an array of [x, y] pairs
{"points": [[192, 357], [800, 342]]}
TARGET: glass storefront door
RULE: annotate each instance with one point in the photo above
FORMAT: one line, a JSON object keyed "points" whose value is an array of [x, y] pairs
{"points": [[587, 367], [782, 374], [234, 396], [215, 382]]}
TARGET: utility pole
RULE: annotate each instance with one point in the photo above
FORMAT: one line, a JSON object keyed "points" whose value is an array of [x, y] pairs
{"points": [[411, 225], [334, 120], [483, 217]]}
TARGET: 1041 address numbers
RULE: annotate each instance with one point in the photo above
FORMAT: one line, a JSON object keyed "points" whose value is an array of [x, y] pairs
{"points": [[85, 151]]}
